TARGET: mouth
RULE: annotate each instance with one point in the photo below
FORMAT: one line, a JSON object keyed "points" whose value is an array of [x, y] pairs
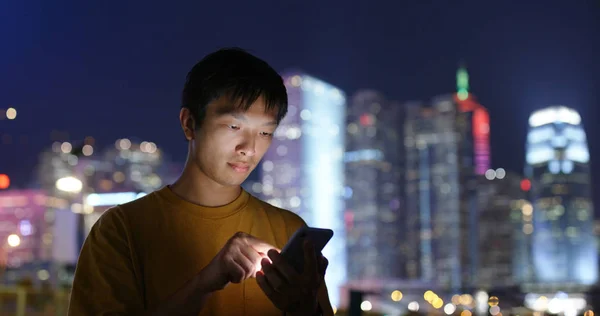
{"points": [[239, 167]]}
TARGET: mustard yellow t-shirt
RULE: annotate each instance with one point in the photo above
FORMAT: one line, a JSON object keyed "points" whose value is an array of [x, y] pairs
{"points": [[140, 253]]}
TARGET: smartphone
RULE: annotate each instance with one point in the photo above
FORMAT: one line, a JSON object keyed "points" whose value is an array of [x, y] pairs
{"points": [[293, 252]]}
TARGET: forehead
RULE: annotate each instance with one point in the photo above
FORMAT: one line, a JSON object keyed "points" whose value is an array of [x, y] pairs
{"points": [[226, 106]]}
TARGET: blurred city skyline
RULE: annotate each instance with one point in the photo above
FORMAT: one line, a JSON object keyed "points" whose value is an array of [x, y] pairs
{"points": [[106, 72], [393, 110]]}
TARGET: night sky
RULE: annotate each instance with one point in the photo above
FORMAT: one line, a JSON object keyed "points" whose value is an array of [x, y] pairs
{"points": [[113, 69]]}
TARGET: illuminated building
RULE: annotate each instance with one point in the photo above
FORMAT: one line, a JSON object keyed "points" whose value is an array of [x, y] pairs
{"points": [[27, 235], [124, 173], [127, 167], [131, 166], [303, 170], [101, 202], [597, 234], [22, 218], [374, 196], [564, 248], [504, 227], [88, 182], [447, 147]]}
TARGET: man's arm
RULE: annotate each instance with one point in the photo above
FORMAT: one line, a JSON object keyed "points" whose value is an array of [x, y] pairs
{"points": [[237, 261], [107, 282], [188, 300]]}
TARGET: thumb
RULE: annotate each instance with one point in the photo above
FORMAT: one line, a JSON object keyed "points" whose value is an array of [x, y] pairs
{"points": [[323, 264]]}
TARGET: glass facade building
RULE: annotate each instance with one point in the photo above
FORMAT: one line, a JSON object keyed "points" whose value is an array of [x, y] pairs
{"points": [[447, 148], [563, 244], [304, 169], [374, 194]]}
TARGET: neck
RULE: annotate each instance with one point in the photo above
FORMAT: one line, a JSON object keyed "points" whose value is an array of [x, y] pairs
{"points": [[195, 187]]}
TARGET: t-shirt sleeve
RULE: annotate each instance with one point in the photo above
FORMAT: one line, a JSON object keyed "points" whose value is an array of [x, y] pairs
{"points": [[105, 280]]}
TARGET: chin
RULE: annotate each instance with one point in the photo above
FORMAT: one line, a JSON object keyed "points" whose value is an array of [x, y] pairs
{"points": [[234, 181]]}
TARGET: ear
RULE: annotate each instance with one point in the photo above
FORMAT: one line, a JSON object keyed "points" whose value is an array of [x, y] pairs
{"points": [[187, 123]]}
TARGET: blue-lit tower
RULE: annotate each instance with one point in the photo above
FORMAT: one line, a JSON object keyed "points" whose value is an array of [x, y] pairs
{"points": [[564, 249], [304, 169]]}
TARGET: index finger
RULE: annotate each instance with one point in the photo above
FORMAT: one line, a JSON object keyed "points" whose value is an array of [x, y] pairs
{"points": [[259, 245]]}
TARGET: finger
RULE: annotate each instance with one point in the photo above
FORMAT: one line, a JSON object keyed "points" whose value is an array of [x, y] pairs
{"points": [[283, 267], [254, 258], [259, 245], [248, 267], [310, 261], [235, 272], [323, 264], [266, 287], [273, 277]]}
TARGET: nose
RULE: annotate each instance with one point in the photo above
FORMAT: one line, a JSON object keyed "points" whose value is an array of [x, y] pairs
{"points": [[247, 146]]}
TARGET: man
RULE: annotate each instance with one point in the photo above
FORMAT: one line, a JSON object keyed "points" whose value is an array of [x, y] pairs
{"points": [[204, 246]]}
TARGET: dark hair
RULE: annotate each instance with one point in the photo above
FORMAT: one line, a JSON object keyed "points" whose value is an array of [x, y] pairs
{"points": [[237, 74]]}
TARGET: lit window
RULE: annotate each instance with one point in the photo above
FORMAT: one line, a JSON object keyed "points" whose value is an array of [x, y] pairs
{"points": [[558, 114], [305, 115], [571, 232], [539, 154], [554, 166], [567, 166], [352, 128], [540, 134], [490, 174], [282, 150], [296, 81], [295, 201], [578, 153], [256, 187], [574, 133], [267, 165], [559, 141], [293, 133]]}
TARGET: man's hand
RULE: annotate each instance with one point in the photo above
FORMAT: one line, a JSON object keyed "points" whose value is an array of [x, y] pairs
{"points": [[237, 261], [290, 291]]}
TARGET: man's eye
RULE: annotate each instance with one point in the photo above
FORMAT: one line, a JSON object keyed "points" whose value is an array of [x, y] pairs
{"points": [[234, 127], [266, 134]]}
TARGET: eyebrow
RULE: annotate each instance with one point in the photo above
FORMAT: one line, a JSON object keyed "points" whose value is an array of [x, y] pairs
{"points": [[239, 116]]}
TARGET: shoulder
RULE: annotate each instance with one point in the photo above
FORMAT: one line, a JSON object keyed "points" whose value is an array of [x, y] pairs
{"points": [[137, 209], [119, 219], [144, 204]]}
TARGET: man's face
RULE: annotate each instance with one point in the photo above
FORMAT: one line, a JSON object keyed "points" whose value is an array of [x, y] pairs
{"points": [[230, 143]]}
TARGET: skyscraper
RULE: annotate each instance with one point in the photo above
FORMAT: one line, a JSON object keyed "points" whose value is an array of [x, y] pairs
{"points": [[447, 146], [23, 228], [564, 248], [503, 224], [374, 195], [303, 170]]}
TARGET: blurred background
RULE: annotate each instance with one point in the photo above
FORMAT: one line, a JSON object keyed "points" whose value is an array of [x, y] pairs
{"points": [[451, 145]]}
